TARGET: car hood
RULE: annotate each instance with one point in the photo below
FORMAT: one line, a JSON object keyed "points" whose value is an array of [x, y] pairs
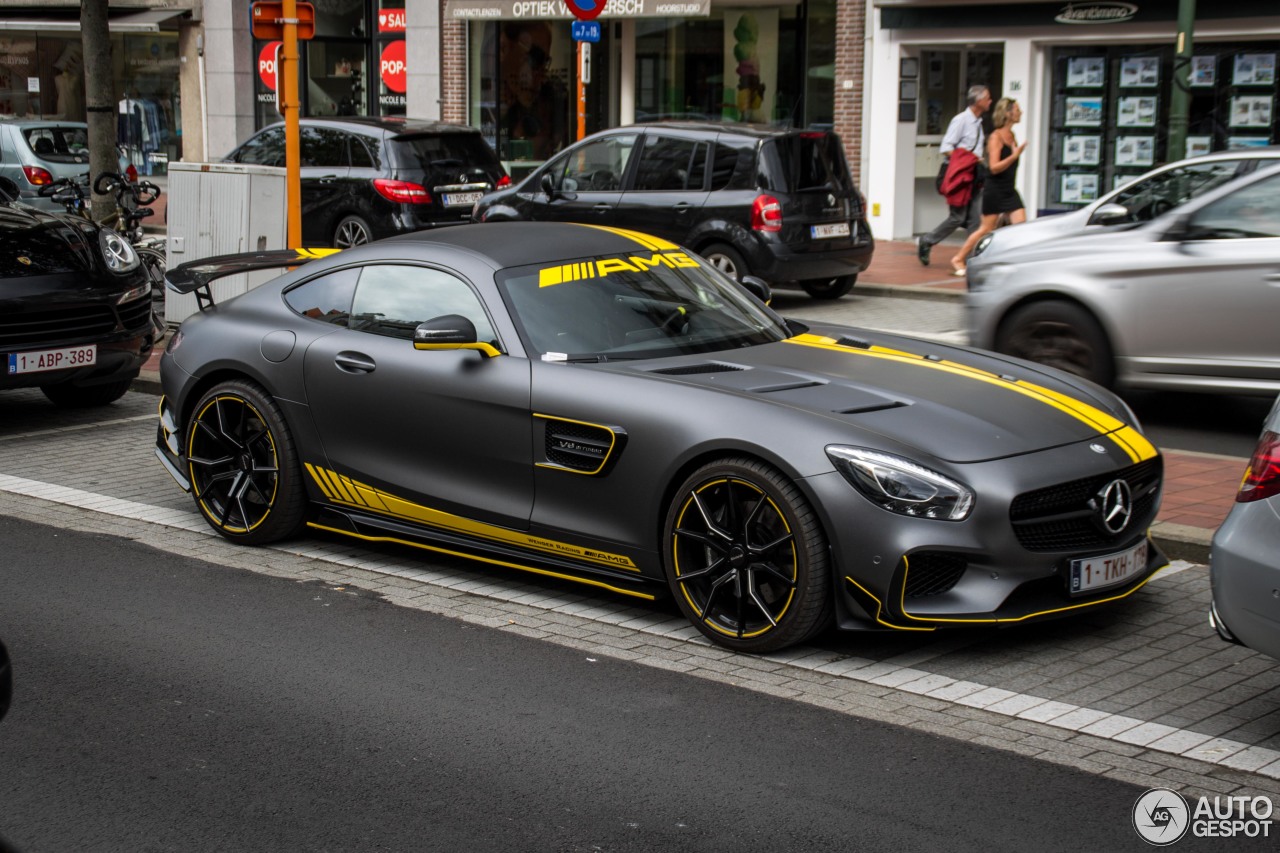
{"points": [[36, 243], [953, 403], [1013, 237], [1080, 246]]}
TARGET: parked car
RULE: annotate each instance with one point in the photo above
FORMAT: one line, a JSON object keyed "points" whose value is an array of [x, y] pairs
{"points": [[1186, 301], [1140, 200], [75, 306], [602, 406], [1243, 567], [368, 178], [34, 154], [778, 204]]}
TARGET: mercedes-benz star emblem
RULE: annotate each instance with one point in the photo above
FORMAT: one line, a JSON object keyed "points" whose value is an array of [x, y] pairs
{"points": [[1114, 505]]}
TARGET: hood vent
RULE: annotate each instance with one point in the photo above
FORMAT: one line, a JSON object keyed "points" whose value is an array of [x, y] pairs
{"points": [[691, 369]]}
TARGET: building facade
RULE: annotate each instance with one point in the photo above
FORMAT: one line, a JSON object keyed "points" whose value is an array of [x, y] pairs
{"points": [[1095, 81]]}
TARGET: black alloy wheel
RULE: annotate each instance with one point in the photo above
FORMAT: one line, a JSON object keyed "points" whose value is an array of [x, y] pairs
{"points": [[746, 557], [1059, 334], [352, 231], [243, 465], [829, 288]]}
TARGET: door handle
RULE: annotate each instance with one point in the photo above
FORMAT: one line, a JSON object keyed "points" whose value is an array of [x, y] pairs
{"points": [[602, 207], [1274, 278], [681, 206], [354, 362], [328, 179]]}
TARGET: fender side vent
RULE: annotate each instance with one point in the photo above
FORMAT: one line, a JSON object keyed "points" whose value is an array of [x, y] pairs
{"points": [[690, 369], [579, 447]]}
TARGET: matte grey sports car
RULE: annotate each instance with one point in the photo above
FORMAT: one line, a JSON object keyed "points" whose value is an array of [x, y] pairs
{"points": [[605, 407]]}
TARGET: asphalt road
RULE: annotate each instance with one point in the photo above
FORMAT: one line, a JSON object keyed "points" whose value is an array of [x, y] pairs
{"points": [[167, 704]]}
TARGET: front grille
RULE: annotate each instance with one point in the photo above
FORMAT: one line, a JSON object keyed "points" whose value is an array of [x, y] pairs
{"points": [[577, 446], [933, 573], [69, 323], [136, 314], [1059, 518]]}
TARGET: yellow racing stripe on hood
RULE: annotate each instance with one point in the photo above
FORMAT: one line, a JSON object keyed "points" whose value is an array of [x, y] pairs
{"points": [[648, 241], [1128, 439]]}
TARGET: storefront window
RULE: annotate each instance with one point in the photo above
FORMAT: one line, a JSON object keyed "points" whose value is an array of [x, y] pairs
{"points": [[391, 58], [335, 74], [1110, 111]]}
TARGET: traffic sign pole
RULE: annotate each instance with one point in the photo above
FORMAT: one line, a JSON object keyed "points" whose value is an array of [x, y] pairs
{"points": [[292, 149], [584, 58]]}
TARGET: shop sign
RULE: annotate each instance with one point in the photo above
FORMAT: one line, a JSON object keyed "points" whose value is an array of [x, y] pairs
{"points": [[267, 59], [391, 67], [515, 10], [391, 20], [1097, 13]]}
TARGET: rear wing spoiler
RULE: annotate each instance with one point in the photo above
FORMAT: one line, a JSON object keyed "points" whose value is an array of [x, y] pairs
{"points": [[195, 276]]}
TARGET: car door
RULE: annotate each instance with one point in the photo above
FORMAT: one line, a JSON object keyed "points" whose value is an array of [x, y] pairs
{"points": [[668, 186], [586, 182], [325, 170], [1213, 287], [449, 430]]}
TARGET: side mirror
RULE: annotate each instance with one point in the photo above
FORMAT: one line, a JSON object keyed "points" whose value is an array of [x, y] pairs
{"points": [[548, 185], [1109, 214], [758, 287], [10, 189], [452, 331]]}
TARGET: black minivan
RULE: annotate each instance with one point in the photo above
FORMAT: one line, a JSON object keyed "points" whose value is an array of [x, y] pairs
{"points": [[775, 203], [368, 178]]}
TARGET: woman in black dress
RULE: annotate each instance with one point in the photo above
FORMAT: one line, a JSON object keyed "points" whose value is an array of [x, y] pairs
{"points": [[999, 197]]}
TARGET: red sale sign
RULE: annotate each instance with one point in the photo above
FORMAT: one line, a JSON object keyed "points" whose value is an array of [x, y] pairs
{"points": [[391, 21], [391, 67], [267, 63]]}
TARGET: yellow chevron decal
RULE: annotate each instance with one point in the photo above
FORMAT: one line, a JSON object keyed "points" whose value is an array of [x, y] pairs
{"points": [[1128, 439], [343, 490], [314, 254]]}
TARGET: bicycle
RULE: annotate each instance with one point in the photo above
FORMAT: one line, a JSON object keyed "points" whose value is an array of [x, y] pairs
{"points": [[131, 200]]}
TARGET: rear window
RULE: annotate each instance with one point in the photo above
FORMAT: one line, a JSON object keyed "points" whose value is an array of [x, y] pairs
{"points": [[58, 144], [443, 151], [808, 161]]}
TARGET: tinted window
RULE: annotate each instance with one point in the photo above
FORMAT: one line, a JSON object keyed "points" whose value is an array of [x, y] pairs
{"points": [[444, 150], [732, 165], [1252, 211], [394, 300], [360, 156], [265, 149], [324, 147], [327, 298], [1149, 198], [598, 165], [671, 164], [807, 161]]}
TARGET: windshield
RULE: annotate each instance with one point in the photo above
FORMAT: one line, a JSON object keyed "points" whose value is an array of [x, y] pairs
{"points": [[648, 305]]}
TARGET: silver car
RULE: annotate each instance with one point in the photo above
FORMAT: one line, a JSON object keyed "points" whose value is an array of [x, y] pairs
{"points": [[1141, 200], [1187, 301], [36, 153], [1244, 561]]}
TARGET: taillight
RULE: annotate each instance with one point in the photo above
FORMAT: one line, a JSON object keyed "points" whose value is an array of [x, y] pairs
{"points": [[37, 176], [766, 214], [1262, 477], [504, 181], [402, 191]]}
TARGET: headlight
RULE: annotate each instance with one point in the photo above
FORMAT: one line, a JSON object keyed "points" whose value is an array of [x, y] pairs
{"points": [[982, 245], [116, 251], [900, 485], [134, 293]]}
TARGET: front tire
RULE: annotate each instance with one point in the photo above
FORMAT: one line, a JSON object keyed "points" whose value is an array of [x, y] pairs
{"points": [[243, 465], [352, 231], [829, 288], [746, 557], [1059, 334]]}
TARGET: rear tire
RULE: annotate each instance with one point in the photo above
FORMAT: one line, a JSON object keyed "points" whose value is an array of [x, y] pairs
{"points": [[829, 288], [726, 259], [352, 231], [70, 395], [1059, 334]]}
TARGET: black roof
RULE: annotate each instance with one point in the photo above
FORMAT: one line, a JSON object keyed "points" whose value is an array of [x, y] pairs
{"points": [[753, 131], [391, 125], [513, 244]]}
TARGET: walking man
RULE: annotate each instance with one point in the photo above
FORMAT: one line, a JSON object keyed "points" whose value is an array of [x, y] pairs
{"points": [[965, 131]]}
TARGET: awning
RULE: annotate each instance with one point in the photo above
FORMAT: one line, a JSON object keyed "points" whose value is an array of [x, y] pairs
{"points": [[542, 10], [147, 21]]}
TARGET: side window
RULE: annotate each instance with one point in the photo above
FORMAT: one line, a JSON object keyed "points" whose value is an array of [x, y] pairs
{"points": [[324, 148], [669, 164], [598, 165], [265, 149], [393, 300], [1250, 212], [733, 166], [360, 156], [327, 298], [1148, 199]]}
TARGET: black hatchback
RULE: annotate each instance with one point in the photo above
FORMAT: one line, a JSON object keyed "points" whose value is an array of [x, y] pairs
{"points": [[775, 203], [368, 178]]}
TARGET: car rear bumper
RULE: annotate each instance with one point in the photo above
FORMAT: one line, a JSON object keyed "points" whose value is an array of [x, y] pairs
{"points": [[1244, 576], [776, 261]]}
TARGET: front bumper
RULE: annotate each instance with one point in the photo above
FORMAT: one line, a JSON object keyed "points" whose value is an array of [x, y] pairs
{"points": [[117, 359]]}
